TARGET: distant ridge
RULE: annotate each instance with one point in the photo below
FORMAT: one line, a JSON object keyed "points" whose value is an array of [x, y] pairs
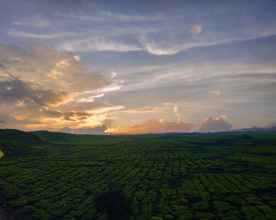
{"points": [[15, 142], [19, 136], [267, 128], [39, 136]]}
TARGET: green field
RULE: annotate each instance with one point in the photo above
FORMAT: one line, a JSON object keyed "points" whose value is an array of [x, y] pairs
{"points": [[201, 176]]}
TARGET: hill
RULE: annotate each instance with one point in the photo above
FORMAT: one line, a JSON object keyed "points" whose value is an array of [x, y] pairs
{"points": [[48, 175], [16, 142]]}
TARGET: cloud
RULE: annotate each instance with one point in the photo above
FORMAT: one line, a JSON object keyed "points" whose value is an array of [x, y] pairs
{"points": [[142, 110], [212, 124], [15, 90], [98, 130], [152, 126], [52, 69], [97, 44], [177, 125], [90, 98], [3, 119], [177, 113], [156, 48], [107, 109], [104, 16], [45, 36], [77, 57], [170, 48], [92, 95], [49, 119], [109, 43], [40, 89], [7, 119], [215, 92], [101, 44], [35, 22], [75, 116], [196, 29]]}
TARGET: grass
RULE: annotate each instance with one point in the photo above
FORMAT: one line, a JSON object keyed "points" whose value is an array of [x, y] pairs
{"points": [[213, 176]]}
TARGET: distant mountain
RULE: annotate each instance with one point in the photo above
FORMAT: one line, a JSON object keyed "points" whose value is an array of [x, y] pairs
{"points": [[15, 142], [272, 127], [17, 136], [56, 137], [266, 128]]}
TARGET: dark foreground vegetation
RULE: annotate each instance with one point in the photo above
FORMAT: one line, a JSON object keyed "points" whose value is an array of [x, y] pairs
{"points": [[216, 176]]}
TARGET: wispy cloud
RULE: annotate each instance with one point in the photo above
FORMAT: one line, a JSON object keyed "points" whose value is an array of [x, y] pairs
{"points": [[97, 44], [49, 36], [35, 23], [215, 92], [152, 47], [92, 95], [109, 16]]}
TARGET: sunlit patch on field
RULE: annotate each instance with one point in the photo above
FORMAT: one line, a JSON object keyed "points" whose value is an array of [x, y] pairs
{"points": [[1, 154]]}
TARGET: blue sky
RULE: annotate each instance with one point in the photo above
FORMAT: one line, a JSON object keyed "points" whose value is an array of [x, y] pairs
{"points": [[137, 66]]}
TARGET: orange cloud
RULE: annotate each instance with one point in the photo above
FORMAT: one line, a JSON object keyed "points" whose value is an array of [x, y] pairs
{"points": [[153, 126], [40, 88], [196, 29]]}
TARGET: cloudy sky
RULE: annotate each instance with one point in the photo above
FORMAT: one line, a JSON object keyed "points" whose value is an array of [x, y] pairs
{"points": [[137, 66]]}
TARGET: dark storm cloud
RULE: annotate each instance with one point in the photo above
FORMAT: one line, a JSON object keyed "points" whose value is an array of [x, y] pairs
{"points": [[14, 90], [76, 116]]}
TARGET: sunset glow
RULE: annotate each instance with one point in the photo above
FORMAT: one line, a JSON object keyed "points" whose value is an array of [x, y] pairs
{"points": [[88, 67]]}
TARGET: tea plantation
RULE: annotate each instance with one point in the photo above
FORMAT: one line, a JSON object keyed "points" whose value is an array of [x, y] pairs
{"points": [[57, 176]]}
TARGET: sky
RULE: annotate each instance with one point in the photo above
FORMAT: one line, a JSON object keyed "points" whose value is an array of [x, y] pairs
{"points": [[128, 67]]}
